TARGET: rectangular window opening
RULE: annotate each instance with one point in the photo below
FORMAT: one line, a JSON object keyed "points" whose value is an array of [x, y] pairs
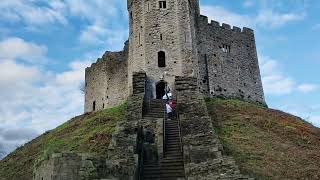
{"points": [[162, 4], [226, 48], [161, 37]]}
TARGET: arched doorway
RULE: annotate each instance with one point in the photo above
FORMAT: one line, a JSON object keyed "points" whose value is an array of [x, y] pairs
{"points": [[160, 89]]}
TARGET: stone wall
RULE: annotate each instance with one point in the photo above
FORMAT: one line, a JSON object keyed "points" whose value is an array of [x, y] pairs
{"points": [[170, 30], [228, 62], [106, 81], [71, 166], [202, 151]]}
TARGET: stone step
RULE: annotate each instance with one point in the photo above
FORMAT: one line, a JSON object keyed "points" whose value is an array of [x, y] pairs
{"points": [[152, 176], [169, 161], [175, 126], [173, 147], [153, 116], [151, 168], [156, 111], [176, 155], [173, 150], [172, 134], [172, 174], [172, 144], [171, 121], [162, 113], [172, 127], [172, 139], [172, 130], [177, 167]]}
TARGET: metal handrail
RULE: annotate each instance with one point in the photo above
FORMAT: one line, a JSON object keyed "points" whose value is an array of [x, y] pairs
{"points": [[164, 130], [179, 128]]}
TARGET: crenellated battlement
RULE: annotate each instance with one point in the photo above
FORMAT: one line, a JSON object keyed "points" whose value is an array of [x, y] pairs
{"points": [[245, 30]]}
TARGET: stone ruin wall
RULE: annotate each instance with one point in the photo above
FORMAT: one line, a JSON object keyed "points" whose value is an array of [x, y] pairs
{"points": [[233, 74], [106, 81], [203, 154], [70, 166]]}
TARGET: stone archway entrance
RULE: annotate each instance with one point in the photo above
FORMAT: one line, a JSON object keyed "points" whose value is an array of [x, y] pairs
{"points": [[160, 89]]}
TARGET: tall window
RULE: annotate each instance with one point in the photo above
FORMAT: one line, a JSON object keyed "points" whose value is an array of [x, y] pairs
{"points": [[162, 4], [161, 59], [226, 48]]}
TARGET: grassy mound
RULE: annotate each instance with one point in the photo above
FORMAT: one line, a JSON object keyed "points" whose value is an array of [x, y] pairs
{"points": [[267, 144], [89, 133]]}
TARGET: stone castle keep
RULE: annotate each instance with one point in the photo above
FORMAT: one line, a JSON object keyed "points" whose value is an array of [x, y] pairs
{"points": [[170, 44], [169, 38]]}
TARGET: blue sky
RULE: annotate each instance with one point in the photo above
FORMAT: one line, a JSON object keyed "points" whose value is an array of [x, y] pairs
{"points": [[46, 44]]}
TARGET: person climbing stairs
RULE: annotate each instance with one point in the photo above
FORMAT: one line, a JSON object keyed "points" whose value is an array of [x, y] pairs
{"points": [[171, 167]]}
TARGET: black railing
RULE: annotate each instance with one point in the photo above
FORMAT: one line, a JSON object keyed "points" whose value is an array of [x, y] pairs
{"points": [[179, 128], [164, 129]]}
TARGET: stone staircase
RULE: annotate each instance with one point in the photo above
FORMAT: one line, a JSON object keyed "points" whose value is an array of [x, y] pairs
{"points": [[156, 109], [171, 166]]}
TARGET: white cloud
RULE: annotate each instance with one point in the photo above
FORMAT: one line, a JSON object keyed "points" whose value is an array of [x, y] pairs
{"points": [[30, 13], [34, 100], [248, 3], [93, 33], [75, 75], [17, 48], [265, 17], [276, 82], [269, 18], [223, 15], [103, 27], [11, 72], [306, 88]]}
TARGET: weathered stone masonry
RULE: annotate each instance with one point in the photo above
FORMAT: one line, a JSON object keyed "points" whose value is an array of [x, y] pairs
{"points": [[228, 61], [106, 81], [223, 59]]}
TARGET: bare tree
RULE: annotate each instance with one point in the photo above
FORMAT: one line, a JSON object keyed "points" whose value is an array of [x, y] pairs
{"points": [[82, 87]]}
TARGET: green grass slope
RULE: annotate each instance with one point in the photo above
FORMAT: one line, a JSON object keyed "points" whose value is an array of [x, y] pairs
{"points": [[267, 144], [89, 133]]}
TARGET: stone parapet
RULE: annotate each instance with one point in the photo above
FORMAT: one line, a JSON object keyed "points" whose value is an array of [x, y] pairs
{"points": [[203, 153]]}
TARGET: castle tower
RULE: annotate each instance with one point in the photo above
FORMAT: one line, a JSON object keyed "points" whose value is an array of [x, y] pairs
{"points": [[162, 41]]}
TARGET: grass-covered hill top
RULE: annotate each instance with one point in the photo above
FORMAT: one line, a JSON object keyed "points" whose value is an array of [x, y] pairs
{"points": [[89, 133], [266, 143]]}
